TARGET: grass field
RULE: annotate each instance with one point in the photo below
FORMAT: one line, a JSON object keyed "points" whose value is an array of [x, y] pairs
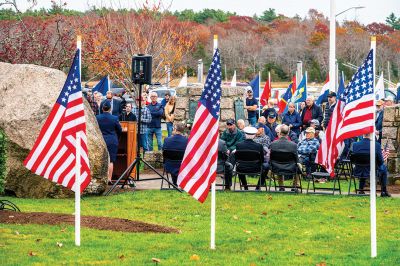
{"points": [[252, 229]]}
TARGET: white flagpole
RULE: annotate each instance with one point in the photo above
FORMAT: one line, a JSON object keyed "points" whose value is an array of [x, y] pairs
{"points": [[212, 240], [372, 166], [259, 95], [332, 46], [77, 169]]}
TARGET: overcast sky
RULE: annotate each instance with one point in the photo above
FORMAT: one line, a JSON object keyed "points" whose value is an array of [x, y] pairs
{"points": [[374, 11]]}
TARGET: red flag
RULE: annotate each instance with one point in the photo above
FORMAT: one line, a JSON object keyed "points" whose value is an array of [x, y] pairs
{"points": [[53, 155], [294, 86], [199, 164], [266, 92]]}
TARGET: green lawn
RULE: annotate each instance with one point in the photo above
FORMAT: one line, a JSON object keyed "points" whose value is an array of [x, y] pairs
{"points": [[252, 229]]}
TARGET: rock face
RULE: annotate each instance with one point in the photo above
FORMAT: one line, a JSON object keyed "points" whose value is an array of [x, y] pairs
{"points": [[27, 94], [391, 136]]}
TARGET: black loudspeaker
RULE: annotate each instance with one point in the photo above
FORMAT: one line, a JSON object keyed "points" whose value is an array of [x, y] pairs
{"points": [[141, 69]]}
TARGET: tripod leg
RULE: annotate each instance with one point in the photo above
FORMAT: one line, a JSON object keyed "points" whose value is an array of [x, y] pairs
{"points": [[161, 176], [127, 173]]}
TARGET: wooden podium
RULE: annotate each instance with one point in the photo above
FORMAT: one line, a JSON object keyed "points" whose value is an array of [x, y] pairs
{"points": [[126, 149]]}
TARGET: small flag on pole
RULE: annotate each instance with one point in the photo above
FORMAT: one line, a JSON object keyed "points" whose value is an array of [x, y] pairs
{"points": [[199, 165], [300, 95], [255, 86], [385, 151], [380, 88], [323, 97], [184, 81], [266, 92], [54, 152], [233, 82], [103, 86]]}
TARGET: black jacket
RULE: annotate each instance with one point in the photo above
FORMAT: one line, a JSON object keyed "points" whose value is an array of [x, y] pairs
{"points": [[328, 114], [249, 144], [286, 146]]}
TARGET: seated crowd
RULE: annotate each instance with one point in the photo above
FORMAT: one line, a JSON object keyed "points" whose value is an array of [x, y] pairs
{"points": [[297, 133]]}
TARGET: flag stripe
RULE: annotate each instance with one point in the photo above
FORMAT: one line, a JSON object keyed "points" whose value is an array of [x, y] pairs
{"points": [[47, 137]]}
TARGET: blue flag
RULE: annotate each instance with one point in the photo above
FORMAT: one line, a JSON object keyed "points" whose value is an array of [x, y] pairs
{"points": [[103, 86], [341, 89], [300, 95], [255, 86], [282, 105]]}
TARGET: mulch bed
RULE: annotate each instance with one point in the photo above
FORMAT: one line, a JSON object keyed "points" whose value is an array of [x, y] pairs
{"points": [[94, 222]]}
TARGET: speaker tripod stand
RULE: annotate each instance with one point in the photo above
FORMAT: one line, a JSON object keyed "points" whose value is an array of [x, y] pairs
{"points": [[136, 163]]}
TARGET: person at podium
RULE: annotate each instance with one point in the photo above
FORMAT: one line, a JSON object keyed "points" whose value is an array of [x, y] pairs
{"points": [[111, 130], [127, 115]]}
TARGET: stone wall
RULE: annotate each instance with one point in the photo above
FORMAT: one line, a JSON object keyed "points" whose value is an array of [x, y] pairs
{"points": [[229, 95], [391, 135]]}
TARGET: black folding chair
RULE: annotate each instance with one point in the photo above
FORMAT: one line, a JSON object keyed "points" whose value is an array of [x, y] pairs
{"points": [[319, 174], [359, 160], [222, 157], [284, 164], [172, 156], [248, 163]]}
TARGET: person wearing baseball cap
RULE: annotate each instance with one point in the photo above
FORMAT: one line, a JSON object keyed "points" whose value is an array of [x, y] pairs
{"points": [[307, 149], [231, 135], [330, 106], [251, 107]]}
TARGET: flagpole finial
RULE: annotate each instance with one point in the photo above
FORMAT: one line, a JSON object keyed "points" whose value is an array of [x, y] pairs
{"points": [[79, 41], [373, 38], [215, 42]]}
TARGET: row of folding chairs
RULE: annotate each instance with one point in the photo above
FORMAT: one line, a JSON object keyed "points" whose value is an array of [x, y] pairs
{"points": [[282, 164]]}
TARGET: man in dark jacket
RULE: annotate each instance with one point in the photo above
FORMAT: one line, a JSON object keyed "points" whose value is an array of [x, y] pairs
{"points": [[176, 142], [330, 106], [116, 108], [232, 136], [249, 144], [286, 146], [311, 111], [292, 119], [363, 147], [271, 124], [127, 115], [223, 166], [154, 127], [379, 119]]}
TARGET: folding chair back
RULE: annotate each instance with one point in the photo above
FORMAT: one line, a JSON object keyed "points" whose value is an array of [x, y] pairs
{"points": [[283, 163], [248, 162]]}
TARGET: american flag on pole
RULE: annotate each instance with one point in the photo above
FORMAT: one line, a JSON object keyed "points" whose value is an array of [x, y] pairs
{"points": [[53, 154], [198, 168], [353, 115]]}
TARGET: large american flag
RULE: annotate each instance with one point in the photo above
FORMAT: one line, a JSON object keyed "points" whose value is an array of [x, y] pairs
{"points": [[353, 115], [53, 154], [199, 165]]}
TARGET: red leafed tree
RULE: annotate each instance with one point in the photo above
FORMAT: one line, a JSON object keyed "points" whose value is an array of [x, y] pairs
{"points": [[113, 38], [32, 40]]}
